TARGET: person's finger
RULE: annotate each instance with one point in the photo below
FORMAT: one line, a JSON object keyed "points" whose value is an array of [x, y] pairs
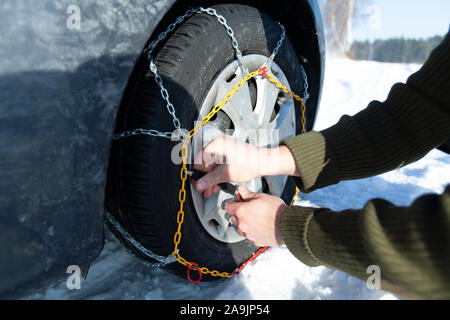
{"points": [[202, 165], [208, 193], [198, 161], [232, 206], [209, 180], [216, 189], [246, 193], [234, 220], [239, 232]]}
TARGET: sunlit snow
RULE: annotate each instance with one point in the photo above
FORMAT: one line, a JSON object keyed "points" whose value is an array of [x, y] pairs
{"points": [[348, 87]]}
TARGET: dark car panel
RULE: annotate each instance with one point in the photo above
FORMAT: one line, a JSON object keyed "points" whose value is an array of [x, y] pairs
{"points": [[60, 89]]}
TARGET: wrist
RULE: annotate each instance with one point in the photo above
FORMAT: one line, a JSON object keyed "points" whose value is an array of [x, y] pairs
{"points": [[267, 161], [276, 161], [278, 236]]}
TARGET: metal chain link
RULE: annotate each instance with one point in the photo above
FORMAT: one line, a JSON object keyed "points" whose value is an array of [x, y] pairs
{"points": [[169, 29], [159, 82], [161, 260], [305, 84], [140, 131], [158, 79], [269, 61], [154, 69], [230, 32]]}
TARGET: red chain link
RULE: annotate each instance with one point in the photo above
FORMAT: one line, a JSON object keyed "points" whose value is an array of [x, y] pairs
{"points": [[195, 268], [252, 258]]}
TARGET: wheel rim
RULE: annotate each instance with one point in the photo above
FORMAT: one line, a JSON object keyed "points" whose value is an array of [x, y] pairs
{"points": [[259, 113]]}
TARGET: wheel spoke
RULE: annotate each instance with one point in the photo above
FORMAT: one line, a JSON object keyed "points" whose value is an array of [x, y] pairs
{"points": [[265, 102], [282, 127], [215, 215], [285, 121], [210, 207], [239, 108], [276, 184]]}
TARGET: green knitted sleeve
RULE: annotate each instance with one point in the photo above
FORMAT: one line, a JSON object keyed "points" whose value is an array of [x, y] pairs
{"points": [[414, 119], [411, 245]]}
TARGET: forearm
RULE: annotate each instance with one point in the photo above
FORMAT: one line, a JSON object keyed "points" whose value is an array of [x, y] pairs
{"points": [[387, 135], [410, 245], [277, 161]]}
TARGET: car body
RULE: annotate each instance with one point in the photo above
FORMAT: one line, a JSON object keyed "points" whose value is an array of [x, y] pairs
{"points": [[64, 66]]}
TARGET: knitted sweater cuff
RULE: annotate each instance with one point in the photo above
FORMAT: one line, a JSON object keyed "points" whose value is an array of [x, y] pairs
{"points": [[312, 156], [294, 225]]}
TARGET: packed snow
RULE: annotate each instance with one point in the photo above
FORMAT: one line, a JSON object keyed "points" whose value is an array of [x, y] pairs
{"points": [[348, 87]]}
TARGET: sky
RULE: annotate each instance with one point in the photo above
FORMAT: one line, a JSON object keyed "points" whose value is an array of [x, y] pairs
{"points": [[407, 18]]}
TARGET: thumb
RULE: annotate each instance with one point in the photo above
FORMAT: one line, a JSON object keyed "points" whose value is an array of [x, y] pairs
{"points": [[210, 179], [245, 193]]}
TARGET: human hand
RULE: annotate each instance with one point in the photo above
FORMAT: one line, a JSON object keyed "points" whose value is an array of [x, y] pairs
{"points": [[227, 159], [257, 217]]}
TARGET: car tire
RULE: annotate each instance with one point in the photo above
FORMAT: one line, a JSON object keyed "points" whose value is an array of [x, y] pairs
{"points": [[143, 182]]}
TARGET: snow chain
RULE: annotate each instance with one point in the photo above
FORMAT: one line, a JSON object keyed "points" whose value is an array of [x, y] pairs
{"points": [[263, 72], [183, 175]]}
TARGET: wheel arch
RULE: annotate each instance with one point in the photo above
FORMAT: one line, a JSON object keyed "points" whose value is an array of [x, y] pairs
{"points": [[307, 46]]}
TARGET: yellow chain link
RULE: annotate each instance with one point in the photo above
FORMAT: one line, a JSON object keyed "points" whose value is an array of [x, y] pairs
{"points": [[184, 155]]}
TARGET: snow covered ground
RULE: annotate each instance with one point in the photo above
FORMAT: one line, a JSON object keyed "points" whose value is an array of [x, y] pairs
{"points": [[349, 86]]}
